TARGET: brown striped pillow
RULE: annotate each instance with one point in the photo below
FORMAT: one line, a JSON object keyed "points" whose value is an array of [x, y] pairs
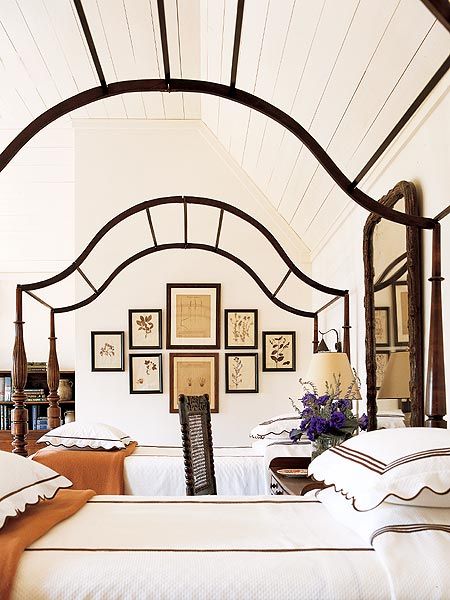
{"points": [[276, 428], [410, 465], [23, 483], [81, 434]]}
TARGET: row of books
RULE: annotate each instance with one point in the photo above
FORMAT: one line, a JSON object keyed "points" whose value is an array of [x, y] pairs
{"points": [[37, 367], [35, 421], [5, 389]]}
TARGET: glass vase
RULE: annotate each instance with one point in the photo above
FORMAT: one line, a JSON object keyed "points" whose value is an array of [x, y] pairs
{"points": [[324, 442]]}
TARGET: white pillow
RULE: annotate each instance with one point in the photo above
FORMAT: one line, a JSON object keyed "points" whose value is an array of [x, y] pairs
{"points": [[276, 428], [24, 482], [410, 464], [86, 435]]}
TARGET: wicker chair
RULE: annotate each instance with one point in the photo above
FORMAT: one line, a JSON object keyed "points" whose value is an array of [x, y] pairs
{"points": [[195, 419]]}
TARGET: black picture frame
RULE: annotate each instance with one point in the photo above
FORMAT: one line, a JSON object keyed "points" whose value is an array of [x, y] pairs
{"points": [[387, 342], [112, 334], [228, 373], [171, 288], [230, 311], [266, 335], [131, 359], [142, 312]]}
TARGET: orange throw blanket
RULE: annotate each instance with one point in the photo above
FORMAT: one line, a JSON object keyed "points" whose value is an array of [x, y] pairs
{"points": [[99, 470], [19, 532]]}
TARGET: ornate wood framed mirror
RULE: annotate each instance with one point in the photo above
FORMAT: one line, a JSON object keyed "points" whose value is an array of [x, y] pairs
{"points": [[393, 312]]}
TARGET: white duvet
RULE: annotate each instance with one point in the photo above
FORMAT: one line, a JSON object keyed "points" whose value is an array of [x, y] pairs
{"points": [[124, 548]]}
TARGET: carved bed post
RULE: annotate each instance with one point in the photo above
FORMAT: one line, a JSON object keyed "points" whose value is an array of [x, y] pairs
{"points": [[347, 326], [435, 400], [53, 410], [19, 415], [316, 334]]}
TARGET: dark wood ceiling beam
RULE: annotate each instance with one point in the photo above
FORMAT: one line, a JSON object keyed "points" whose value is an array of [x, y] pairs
{"points": [[164, 43], [441, 10], [237, 43], [90, 42], [222, 91], [402, 122]]}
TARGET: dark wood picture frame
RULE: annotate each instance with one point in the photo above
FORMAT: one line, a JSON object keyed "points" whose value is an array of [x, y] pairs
{"points": [[397, 309], [228, 374], [281, 369], [121, 335], [158, 356], [413, 270], [387, 342], [141, 312], [171, 287], [175, 391], [227, 313]]}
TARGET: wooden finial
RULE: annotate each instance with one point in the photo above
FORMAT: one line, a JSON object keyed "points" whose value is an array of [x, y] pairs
{"points": [[19, 414], [53, 410]]}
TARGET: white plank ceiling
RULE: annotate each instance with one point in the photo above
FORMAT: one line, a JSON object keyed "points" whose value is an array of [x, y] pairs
{"points": [[345, 70]]}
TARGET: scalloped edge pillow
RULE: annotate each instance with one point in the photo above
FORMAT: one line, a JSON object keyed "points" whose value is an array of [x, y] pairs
{"points": [[410, 465], [23, 483], [276, 428], [79, 434]]}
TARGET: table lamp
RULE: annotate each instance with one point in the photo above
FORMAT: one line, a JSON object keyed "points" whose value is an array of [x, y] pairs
{"points": [[325, 367], [395, 382]]}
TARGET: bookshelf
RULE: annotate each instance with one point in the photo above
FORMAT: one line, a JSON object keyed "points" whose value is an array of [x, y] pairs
{"points": [[37, 405]]}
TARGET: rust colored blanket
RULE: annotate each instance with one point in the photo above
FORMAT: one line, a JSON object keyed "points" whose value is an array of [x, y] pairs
{"points": [[99, 470], [19, 532]]}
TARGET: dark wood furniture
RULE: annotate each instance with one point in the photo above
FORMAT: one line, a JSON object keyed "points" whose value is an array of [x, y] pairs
{"points": [[51, 407], [195, 420], [412, 260], [281, 485]]}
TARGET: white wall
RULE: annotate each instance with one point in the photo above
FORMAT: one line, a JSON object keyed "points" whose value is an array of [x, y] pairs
{"points": [[119, 164], [420, 154]]}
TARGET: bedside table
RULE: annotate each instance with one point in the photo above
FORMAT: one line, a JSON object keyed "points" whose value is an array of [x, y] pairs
{"points": [[292, 486]]}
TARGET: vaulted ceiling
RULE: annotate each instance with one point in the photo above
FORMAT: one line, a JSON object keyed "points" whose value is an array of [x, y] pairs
{"points": [[345, 70]]}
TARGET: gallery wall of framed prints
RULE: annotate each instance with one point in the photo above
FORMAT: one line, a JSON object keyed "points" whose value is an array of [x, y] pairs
{"points": [[193, 324]]}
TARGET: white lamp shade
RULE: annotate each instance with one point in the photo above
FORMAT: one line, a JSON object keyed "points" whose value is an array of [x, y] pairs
{"points": [[326, 367], [395, 382]]}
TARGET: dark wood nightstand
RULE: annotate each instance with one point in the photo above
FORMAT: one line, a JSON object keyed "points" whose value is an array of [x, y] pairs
{"points": [[291, 486]]}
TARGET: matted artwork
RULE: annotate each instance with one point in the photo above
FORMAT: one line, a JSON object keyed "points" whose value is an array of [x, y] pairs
{"points": [[193, 315], [107, 351], [194, 374], [145, 373], [241, 328], [400, 301], [381, 359], [278, 351], [144, 328], [382, 336], [241, 373]]}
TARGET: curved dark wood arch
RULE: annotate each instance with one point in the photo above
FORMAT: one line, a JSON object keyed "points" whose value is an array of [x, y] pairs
{"points": [[223, 91], [186, 201]]}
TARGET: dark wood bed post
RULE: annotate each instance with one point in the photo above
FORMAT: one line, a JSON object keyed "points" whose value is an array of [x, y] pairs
{"points": [[316, 334], [435, 398], [346, 327], [53, 410], [19, 415]]}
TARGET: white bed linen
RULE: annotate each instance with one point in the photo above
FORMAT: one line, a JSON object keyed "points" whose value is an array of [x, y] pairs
{"points": [[123, 548], [159, 471]]}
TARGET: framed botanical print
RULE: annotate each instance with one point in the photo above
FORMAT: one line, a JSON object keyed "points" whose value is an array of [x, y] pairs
{"points": [[145, 373], [400, 303], [194, 374], [193, 315], [382, 335], [241, 373], [278, 351], [144, 328], [107, 351], [382, 359], [241, 328]]}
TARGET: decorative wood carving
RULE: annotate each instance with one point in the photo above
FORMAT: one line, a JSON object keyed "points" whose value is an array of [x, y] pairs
{"points": [[19, 414], [53, 410], [435, 406], [407, 191], [196, 434]]}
